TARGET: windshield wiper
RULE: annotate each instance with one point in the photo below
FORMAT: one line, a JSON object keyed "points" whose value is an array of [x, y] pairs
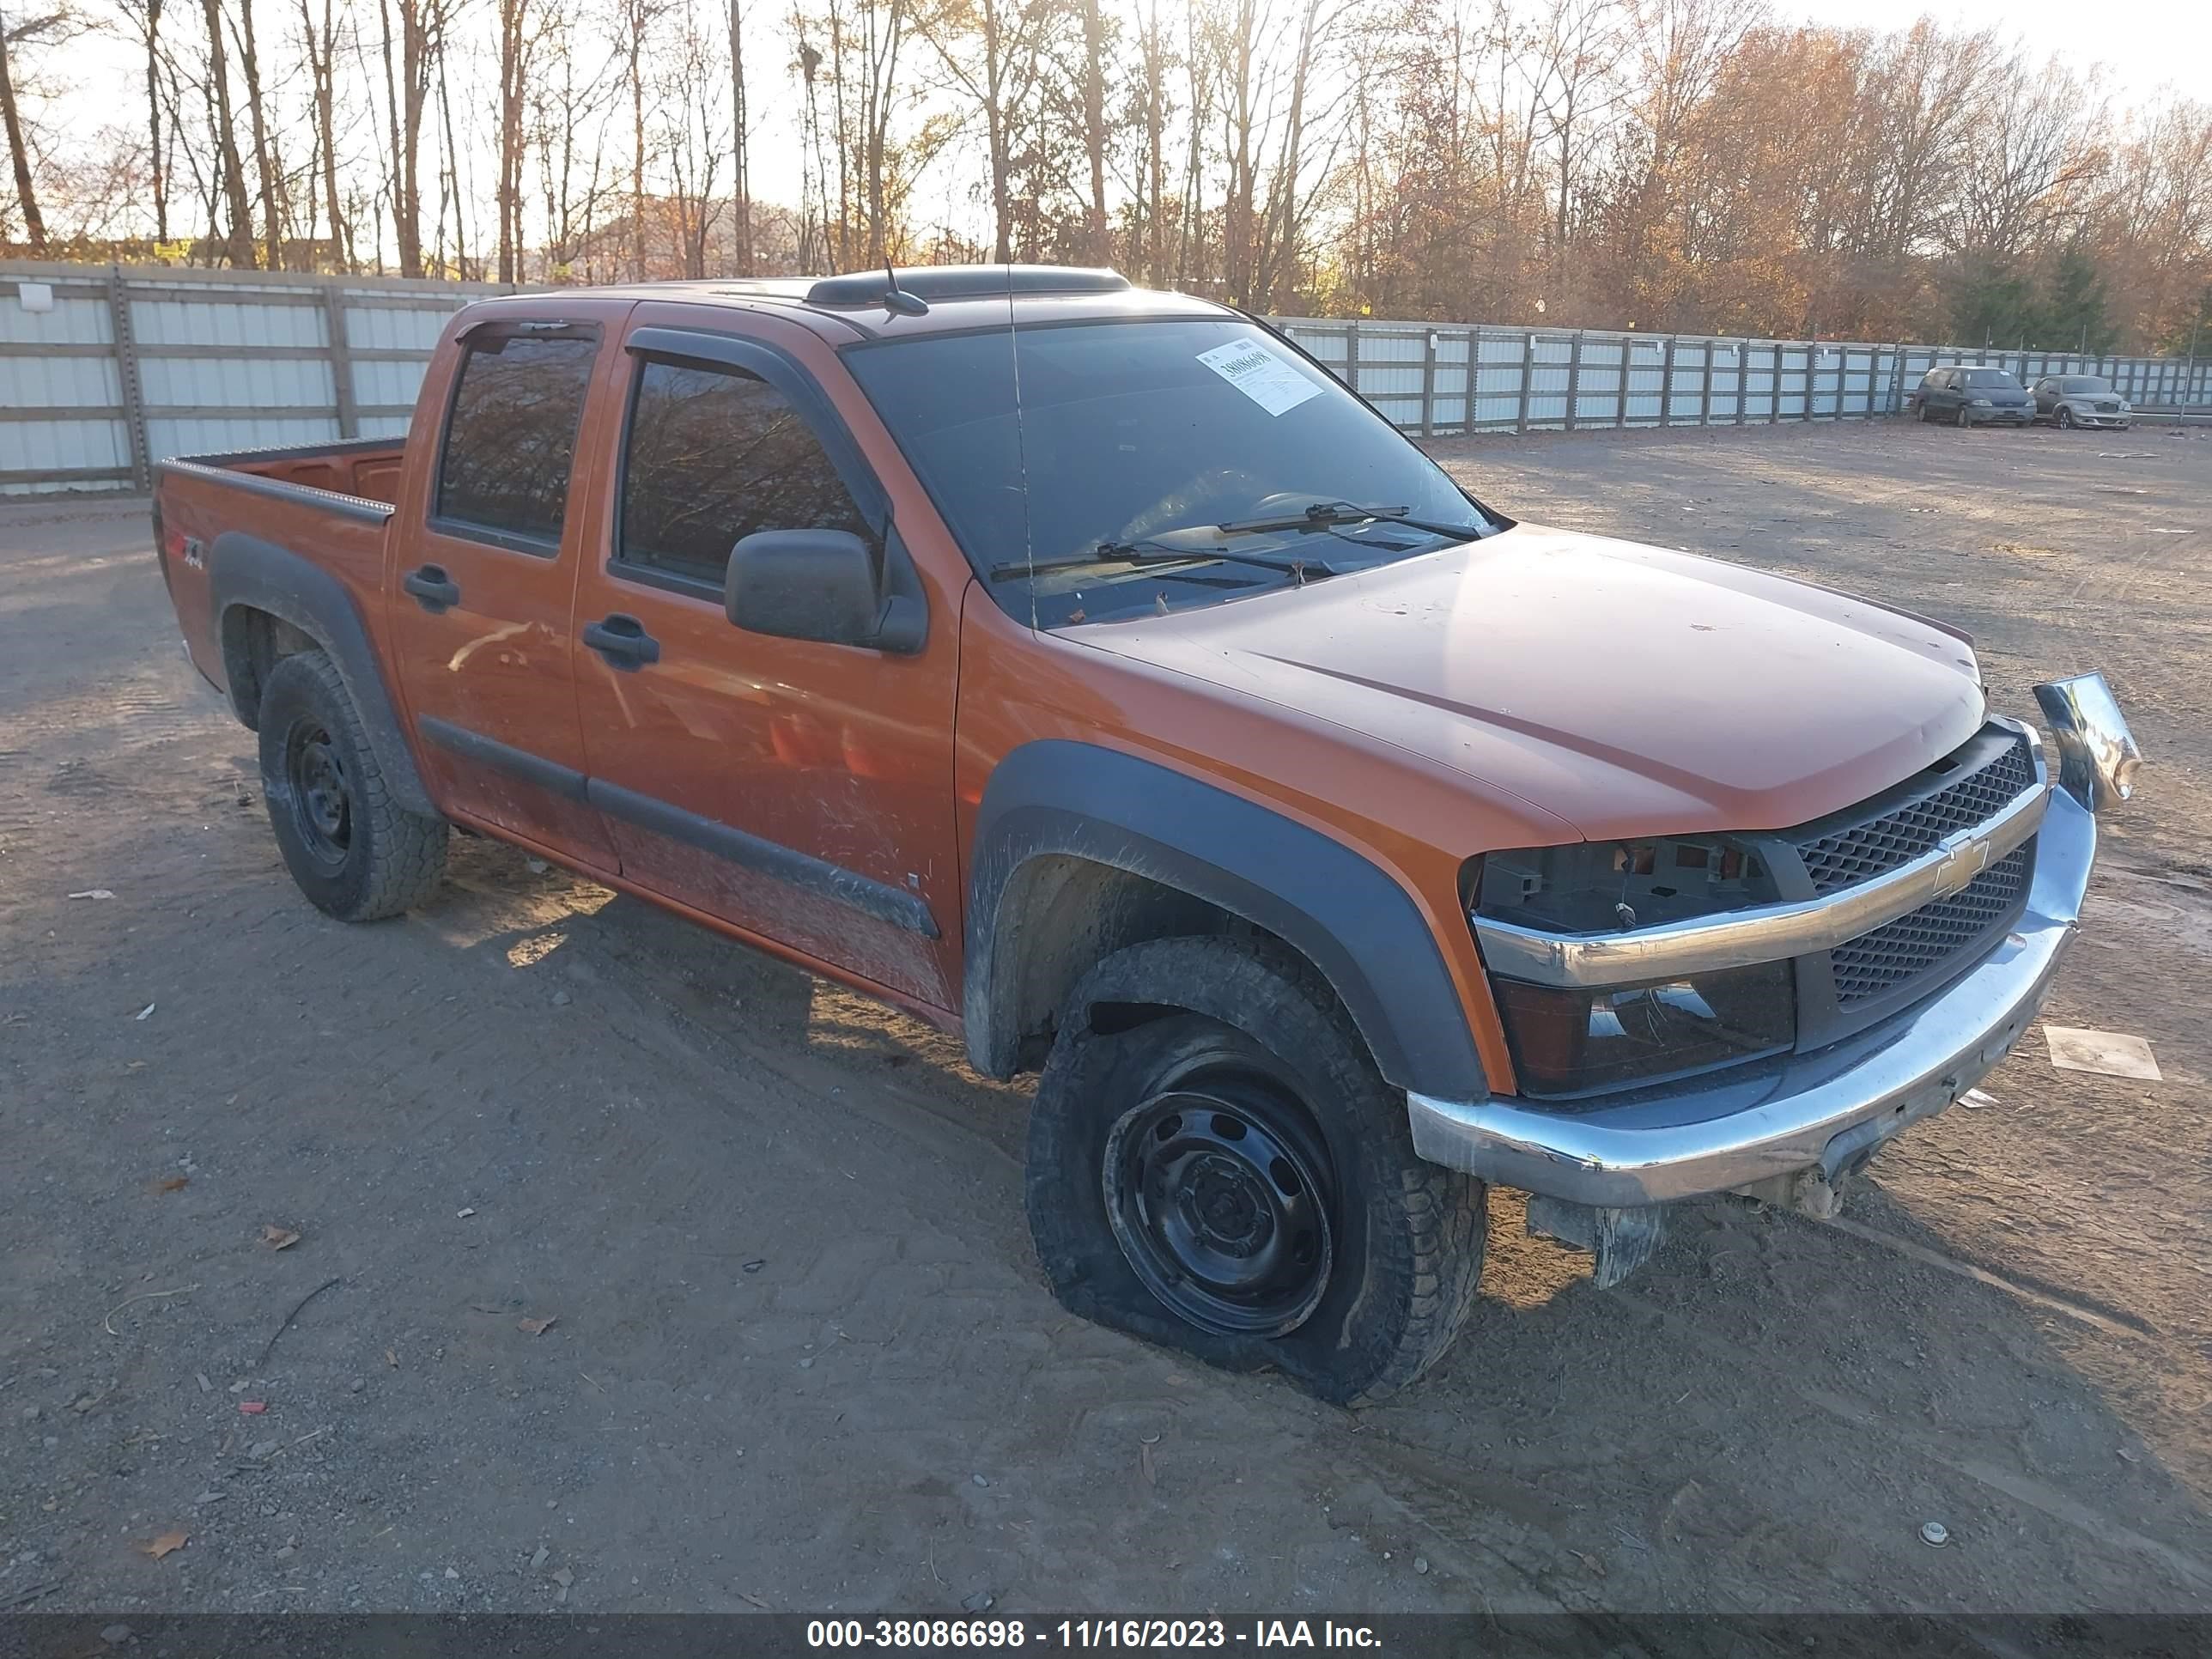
{"points": [[1330, 515], [1154, 552]]}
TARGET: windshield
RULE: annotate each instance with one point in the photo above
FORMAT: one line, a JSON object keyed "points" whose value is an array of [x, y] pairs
{"points": [[1990, 376], [2076, 386], [1154, 464]]}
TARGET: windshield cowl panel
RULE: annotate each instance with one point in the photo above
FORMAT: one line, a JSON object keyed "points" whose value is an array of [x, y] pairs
{"points": [[1209, 455]]}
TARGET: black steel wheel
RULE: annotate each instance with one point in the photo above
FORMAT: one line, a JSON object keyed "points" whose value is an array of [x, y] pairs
{"points": [[356, 851], [322, 806], [1216, 1164], [1222, 1198]]}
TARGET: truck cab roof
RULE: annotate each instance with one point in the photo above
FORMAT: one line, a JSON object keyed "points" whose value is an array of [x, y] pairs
{"points": [[861, 305]]}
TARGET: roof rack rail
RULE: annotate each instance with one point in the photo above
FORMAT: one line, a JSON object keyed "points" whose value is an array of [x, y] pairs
{"points": [[868, 288]]}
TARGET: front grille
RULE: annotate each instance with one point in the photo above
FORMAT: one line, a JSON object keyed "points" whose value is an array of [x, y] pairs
{"points": [[1932, 937], [2108, 408], [1882, 843]]}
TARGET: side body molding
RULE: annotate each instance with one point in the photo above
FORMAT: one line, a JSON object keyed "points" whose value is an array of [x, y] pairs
{"points": [[1054, 801], [245, 572]]}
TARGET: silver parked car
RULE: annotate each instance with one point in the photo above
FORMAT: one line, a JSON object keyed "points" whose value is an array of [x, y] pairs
{"points": [[2073, 400]]}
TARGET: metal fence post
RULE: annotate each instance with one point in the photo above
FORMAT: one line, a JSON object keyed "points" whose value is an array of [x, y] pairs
{"points": [[1627, 362], [126, 370], [1528, 378], [1429, 383], [1774, 389], [1352, 355], [1667, 388], [1742, 377], [1705, 388], [347, 406], [1574, 378]]}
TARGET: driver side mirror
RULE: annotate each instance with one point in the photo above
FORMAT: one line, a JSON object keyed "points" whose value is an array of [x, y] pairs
{"points": [[822, 585]]}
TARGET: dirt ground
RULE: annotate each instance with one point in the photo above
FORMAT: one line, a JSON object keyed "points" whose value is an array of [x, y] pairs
{"points": [[800, 1357]]}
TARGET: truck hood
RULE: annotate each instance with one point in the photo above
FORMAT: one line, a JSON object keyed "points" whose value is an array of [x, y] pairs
{"points": [[1626, 690]]}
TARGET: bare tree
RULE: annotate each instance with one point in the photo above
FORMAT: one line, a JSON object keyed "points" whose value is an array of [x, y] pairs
{"points": [[319, 46], [514, 67], [19, 155], [229, 170], [265, 166], [741, 143]]}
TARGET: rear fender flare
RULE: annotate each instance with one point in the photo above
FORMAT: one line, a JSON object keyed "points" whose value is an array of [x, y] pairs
{"points": [[1056, 799], [246, 573]]}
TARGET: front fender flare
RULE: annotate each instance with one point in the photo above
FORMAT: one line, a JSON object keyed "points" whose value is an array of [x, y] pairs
{"points": [[1356, 924]]}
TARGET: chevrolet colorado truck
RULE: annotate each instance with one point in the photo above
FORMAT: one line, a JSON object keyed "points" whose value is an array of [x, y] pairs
{"points": [[1089, 672]]}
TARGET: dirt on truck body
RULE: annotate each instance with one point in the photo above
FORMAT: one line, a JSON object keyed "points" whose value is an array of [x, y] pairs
{"points": [[1087, 671]]}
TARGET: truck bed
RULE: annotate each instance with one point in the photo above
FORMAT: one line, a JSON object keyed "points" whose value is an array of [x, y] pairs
{"points": [[327, 502], [366, 468]]}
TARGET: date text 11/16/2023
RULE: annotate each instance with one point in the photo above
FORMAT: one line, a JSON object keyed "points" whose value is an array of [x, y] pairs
{"points": [[940, 1634]]}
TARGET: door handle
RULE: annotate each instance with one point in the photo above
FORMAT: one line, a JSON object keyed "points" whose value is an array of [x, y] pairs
{"points": [[623, 640], [434, 590]]}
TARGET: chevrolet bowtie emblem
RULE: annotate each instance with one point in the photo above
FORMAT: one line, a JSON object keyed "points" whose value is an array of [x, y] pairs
{"points": [[1960, 865]]}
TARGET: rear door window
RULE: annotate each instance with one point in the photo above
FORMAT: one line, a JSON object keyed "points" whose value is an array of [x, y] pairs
{"points": [[713, 455], [511, 439]]}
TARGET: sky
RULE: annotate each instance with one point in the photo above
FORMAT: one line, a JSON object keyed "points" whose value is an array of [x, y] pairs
{"points": [[2147, 45]]}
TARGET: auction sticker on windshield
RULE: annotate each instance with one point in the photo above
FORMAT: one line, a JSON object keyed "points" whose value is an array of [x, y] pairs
{"points": [[1260, 374]]}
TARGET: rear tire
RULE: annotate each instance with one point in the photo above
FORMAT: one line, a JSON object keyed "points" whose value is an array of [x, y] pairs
{"points": [[1216, 1165], [355, 851]]}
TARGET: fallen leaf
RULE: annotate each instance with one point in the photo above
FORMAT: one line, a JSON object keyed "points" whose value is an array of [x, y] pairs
{"points": [[463, 1215], [142, 1013], [536, 1326], [167, 1543], [278, 1238], [253, 1407], [93, 893], [1145, 1464], [391, 1359], [170, 1184]]}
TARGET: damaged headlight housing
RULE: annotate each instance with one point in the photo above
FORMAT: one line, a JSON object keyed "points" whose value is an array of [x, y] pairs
{"points": [[1568, 1041]]}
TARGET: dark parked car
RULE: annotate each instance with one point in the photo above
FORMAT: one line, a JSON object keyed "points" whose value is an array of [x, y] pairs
{"points": [[2081, 400], [1966, 395]]}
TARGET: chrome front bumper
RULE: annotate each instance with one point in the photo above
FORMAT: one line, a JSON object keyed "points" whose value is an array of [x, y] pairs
{"points": [[1821, 1112]]}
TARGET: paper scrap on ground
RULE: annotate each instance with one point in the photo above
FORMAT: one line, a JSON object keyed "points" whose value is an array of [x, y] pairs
{"points": [[1975, 1100], [2108, 1054], [1260, 374]]}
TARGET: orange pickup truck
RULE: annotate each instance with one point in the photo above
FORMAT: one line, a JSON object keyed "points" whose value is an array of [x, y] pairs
{"points": [[1088, 672]]}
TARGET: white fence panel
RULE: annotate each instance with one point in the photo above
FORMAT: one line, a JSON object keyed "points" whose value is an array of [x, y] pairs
{"points": [[105, 370]]}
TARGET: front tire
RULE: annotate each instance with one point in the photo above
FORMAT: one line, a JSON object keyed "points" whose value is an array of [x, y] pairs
{"points": [[2065, 418], [1961, 420], [355, 851], [1216, 1165]]}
